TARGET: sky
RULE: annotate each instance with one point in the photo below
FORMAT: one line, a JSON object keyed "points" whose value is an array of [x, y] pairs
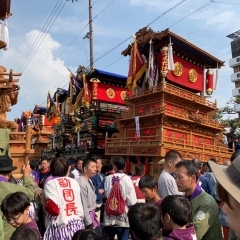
{"points": [[45, 41]]}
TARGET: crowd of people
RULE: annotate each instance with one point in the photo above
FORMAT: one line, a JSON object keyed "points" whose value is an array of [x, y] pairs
{"points": [[83, 200]]}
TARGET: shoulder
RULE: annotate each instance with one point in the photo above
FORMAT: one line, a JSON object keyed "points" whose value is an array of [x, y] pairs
{"points": [[205, 200]]}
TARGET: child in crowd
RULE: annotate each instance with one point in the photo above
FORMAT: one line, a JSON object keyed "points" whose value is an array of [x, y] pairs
{"points": [[176, 216], [149, 188], [144, 221], [87, 234], [25, 233], [15, 209]]}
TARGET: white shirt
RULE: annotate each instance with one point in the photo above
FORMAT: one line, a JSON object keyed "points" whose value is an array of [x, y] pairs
{"points": [[167, 185]]}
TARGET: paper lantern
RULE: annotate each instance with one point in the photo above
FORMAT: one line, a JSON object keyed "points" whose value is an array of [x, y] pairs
{"points": [[164, 61], [209, 82]]}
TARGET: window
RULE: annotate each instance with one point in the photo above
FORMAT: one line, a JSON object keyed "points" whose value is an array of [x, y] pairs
{"points": [[238, 75], [238, 59]]}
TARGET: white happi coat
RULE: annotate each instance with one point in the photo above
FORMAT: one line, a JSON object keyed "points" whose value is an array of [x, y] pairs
{"points": [[65, 193], [128, 194]]}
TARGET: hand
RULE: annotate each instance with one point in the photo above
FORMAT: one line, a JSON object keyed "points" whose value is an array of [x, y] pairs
{"points": [[101, 191], [26, 170]]}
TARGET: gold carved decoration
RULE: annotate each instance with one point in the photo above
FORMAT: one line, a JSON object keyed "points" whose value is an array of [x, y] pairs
{"points": [[178, 69], [192, 76], [110, 93], [123, 95]]}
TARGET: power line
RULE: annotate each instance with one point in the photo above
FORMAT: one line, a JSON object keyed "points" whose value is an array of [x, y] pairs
{"points": [[26, 53], [43, 38], [50, 17], [205, 5], [64, 51], [170, 9], [226, 3], [112, 49], [114, 62]]}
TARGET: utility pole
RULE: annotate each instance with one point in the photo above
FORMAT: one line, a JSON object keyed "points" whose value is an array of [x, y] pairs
{"points": [[91, 34]]}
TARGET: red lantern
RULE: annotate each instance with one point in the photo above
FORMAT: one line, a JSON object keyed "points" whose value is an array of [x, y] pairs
{"points": [[209, 82], [147, 168], [94, 82], [128, 166]]}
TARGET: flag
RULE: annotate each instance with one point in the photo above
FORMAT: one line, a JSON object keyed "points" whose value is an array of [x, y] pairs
{"points": [[136, 68], [152, 67], [34, 121], [51, 108], [171, 66], [87, 98], [75, 92], [22, 122]]}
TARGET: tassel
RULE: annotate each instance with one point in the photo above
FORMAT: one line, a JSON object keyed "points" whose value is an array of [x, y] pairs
{"points": [[170, 56], [6, 35], [217, 78]]}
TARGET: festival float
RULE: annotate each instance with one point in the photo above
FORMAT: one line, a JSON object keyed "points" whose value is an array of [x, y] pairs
{"points": [[87, 112], [169, 83], [13, 143]]}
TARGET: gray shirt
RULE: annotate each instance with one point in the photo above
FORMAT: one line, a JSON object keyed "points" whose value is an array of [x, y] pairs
{"points": [[167, 185], [88, 198]]}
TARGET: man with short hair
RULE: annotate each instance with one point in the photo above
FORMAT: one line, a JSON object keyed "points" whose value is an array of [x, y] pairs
{"points": [[205, 209], [204, 182], [6, 168], [208, 173], [88, 194], [119, 225], [166, 182], [144, 221], [77, 172], [44, 172], [97, 181]]}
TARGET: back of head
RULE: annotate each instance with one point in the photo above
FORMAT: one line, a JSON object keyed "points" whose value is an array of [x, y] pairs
{"points": [[25, 233], [144, 221], [198, 163], [14, 204], [139, 170], [119, 163], [172, 155], [59, 167], [179, 208], [34, 164], [87, 234], [148, 181], [190, 167]]}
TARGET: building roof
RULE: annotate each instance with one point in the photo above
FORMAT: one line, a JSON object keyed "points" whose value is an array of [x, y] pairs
{"points": [[108, 76], [144, 35], [5, 8]]}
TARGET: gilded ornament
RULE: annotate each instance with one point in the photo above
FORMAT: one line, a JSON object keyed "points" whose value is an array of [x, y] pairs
{"points": [[192, 76], [110, 93], [178, 69], [123, 95]]}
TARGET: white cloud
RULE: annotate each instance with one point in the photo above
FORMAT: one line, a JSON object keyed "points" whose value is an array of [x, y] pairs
{"points": [[57, 76]]}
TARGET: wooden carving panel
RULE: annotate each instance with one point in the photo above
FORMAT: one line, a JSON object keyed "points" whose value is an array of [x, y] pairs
{"points": [[143, 132], [201, 141], [173, 135], [117, 150], [145, 151], [146, 109]]}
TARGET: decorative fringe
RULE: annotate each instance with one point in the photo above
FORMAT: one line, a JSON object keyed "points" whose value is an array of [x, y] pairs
{"points": [[6, 35], [170, 56], [217, 79]]}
